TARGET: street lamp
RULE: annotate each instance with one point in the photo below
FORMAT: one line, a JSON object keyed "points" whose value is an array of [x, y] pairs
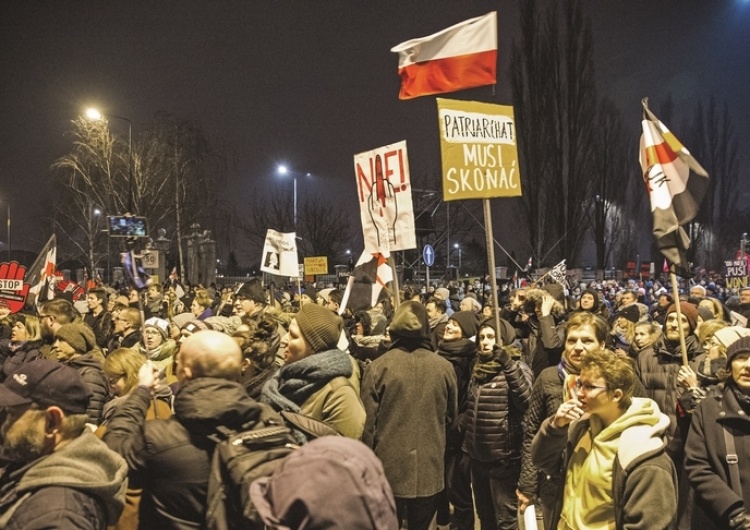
{"points": [[283, 170], [94, 114], [458, 271]]}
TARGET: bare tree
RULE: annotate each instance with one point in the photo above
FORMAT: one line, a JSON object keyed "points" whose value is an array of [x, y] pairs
{"points": [[713, 141], [619, 198], [174, 171], [555, 105]]}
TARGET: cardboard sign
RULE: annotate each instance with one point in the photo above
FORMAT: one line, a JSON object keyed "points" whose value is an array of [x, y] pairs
{"points": [[384, 194], [479, 152]]}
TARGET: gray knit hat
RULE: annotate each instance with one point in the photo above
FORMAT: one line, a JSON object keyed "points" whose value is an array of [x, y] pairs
{"points": [[739, 346], [319, 326], [80, 337]]}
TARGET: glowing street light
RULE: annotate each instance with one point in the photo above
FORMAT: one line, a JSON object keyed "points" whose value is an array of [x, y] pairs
{"points": [[282, 170], [95, 115]]}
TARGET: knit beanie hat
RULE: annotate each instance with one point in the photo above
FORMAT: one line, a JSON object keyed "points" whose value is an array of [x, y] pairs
{"points": [[687, 309], [443, 293], [79, 336], [160, 324], [630, 313], [319, 326], [410, 321], [467, 321], [739, 346]]}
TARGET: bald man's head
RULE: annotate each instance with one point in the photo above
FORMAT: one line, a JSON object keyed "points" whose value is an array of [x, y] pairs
{"points": [[209, 354]]}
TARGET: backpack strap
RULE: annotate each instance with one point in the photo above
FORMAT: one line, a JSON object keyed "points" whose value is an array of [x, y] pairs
{"points": [[732, 460]]}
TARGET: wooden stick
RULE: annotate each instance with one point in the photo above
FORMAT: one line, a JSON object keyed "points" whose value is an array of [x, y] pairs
{"points": [[676, 291]]}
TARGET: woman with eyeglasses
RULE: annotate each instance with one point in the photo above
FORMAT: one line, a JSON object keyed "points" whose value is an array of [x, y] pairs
{"points": [[612, 448], [584, 333], [23, 345]]}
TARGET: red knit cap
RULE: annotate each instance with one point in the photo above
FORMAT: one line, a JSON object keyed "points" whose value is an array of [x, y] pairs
{"points": [[687, 309]]}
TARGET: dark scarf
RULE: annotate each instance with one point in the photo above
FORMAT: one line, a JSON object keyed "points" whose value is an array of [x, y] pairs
{"points": [[742, 399], [457, 350], [290, 387], [488, 365]]}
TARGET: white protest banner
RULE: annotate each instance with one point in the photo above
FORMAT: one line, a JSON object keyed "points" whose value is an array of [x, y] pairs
{"points": [[280, 254], [384, 194]]}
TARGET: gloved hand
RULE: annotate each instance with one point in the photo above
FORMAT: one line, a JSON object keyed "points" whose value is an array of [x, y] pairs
{"points": [[739, 520]]}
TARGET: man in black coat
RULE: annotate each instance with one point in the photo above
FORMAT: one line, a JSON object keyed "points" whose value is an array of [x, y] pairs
{"points": [[172, 458], [410, 396]]}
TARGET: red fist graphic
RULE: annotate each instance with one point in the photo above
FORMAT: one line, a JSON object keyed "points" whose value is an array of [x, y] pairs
{"points": [[12, 289]]}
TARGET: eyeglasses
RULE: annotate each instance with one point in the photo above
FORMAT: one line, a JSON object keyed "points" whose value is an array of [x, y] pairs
{"points": [[587, 388]]}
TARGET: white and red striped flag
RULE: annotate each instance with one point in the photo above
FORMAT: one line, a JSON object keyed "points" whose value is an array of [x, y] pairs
{"points": [[674, 193], [456, 58]]}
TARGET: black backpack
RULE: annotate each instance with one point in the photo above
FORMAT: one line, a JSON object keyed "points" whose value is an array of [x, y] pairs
{"points": [[246, 454], [240, 457]]}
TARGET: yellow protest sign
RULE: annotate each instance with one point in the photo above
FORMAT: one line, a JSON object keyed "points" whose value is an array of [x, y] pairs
{"points": [[479, 151], [316, 265]]}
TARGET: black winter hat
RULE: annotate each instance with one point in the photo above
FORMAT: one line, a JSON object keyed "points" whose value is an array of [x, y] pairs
{"points": [[631, 313], [467, 321]]}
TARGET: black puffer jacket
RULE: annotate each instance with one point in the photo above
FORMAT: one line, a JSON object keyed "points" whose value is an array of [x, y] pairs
{"points": [[546, 398], [90, 369], [657, 369], [172, 458], [493, 419], [14, 355]]}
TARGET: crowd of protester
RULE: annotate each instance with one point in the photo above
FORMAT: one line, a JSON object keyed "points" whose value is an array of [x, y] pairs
{"points": [[575, 402]]}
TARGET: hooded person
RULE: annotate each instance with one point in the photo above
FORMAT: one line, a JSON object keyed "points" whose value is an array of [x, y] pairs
{"points": [[75, 346], [56, 473], [499, 394], [410, 372], [344, 469], [315, 380], [458, 348]]}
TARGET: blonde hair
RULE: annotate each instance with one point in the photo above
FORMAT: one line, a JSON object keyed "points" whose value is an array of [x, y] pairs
{"points": [[124, 362]]}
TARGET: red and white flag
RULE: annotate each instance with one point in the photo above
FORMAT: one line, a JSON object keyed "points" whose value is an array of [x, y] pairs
{"points": [[459, 57], [370, 275], [41, 275], [674, 192]]}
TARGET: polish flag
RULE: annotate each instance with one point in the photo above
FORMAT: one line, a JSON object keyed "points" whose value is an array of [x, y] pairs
{"points": [[459, 57]]}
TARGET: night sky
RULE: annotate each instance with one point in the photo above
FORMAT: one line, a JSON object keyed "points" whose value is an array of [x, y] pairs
{"points": [[311, 83]]}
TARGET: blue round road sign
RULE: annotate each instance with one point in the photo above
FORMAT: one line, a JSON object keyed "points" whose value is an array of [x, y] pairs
{"points": [[428, 255]]}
